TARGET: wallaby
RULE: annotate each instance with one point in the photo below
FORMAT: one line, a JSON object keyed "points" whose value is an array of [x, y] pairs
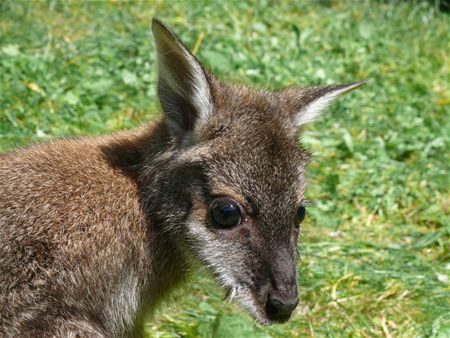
{"points": [[94, 232]]}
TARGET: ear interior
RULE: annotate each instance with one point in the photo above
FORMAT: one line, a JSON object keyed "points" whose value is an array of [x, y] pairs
{"points": [[183, 87], [312, 101]]}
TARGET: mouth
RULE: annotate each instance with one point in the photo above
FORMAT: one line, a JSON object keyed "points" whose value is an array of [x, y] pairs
{"points": [[264, 316], [262, 311]]}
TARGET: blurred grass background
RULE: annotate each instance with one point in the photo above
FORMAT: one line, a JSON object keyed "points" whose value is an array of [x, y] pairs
{"points": [[375, 257]]}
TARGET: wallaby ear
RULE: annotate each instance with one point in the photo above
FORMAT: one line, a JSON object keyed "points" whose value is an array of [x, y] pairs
{"points": [[184, 89], [308, 103]]}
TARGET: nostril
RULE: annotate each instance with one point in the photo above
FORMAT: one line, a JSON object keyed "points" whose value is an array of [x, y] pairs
{"points": [[278, 309]]}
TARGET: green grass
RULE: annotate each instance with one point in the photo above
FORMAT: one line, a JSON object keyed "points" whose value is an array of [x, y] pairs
{"points": [[375, 249]]}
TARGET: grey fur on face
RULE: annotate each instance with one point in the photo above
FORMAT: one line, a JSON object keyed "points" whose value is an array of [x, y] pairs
{"points": [[95, 232]]}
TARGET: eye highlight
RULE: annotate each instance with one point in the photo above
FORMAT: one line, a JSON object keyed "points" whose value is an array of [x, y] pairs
{"points": [[225, 213]]}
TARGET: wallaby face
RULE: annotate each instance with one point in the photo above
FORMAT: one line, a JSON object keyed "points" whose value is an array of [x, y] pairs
{"points": [[93, 232], [247, 198], [245, 226]]}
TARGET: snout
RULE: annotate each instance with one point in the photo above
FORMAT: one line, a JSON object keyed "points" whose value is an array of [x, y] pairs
{"points": [[269, 305], [280, 309], [281, 296], [272, 294]]}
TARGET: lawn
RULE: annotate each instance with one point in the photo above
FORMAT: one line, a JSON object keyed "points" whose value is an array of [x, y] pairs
{"points": [[375, 250]]}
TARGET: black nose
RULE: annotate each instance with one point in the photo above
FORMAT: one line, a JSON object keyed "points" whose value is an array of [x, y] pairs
{"points": [[280, 310]]}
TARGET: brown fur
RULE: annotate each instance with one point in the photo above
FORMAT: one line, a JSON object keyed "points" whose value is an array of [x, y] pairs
{"points": [[72, 224], [95, 231]]}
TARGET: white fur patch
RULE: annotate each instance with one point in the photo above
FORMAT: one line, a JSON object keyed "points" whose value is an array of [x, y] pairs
{"points": [[211, 251], [201, 98], [182, 72], [202, 94], [315, 108]]}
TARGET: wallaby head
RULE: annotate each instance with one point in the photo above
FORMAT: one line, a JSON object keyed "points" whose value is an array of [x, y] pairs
{"points": [[230, 187]]}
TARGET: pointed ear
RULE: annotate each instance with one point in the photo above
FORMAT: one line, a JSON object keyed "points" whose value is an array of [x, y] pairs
{"points": [[184, 88], [306, 104]]}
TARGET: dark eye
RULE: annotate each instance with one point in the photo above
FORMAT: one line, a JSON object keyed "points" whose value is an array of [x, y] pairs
{"points": [[225, 214], [300, 215]]}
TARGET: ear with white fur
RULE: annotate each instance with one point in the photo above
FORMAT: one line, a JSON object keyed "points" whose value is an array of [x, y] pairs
{"points": [[308, 103], [183, 86]]}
